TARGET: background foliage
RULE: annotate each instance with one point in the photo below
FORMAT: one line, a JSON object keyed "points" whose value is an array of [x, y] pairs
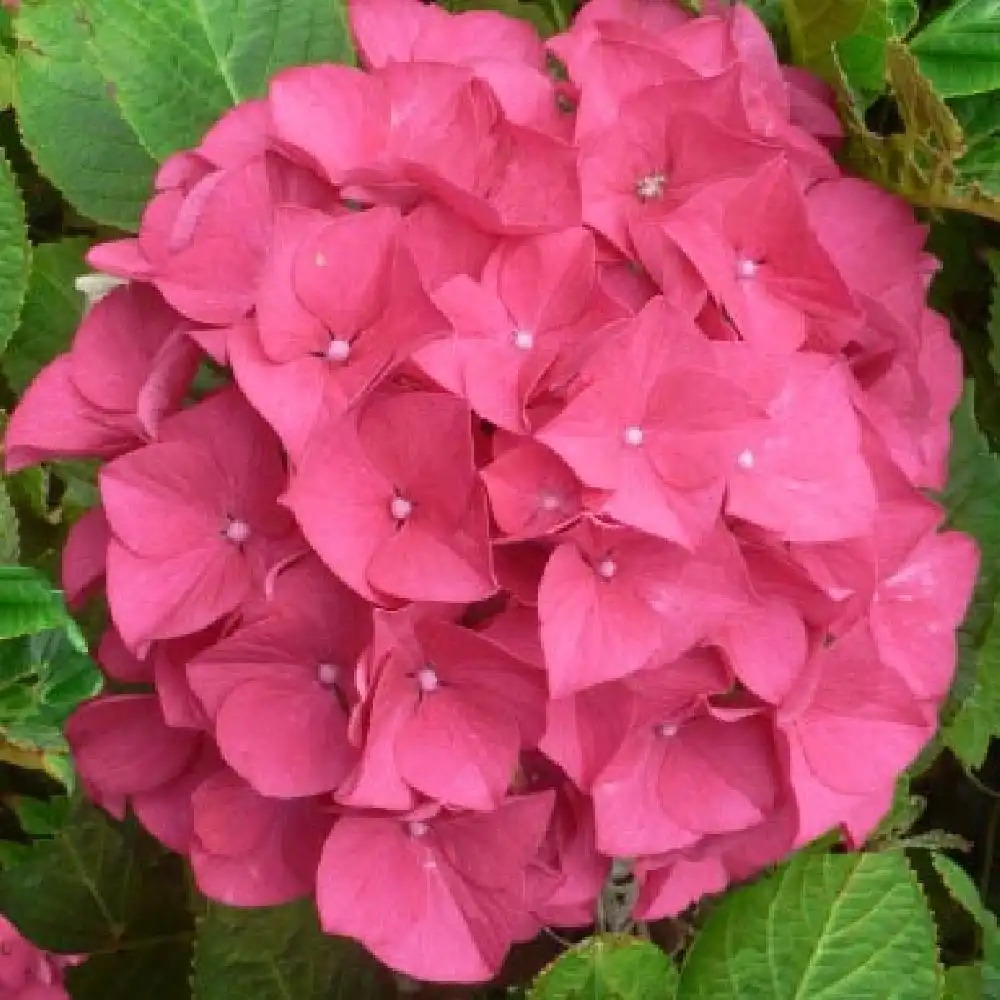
{"points": [[95, 94]]}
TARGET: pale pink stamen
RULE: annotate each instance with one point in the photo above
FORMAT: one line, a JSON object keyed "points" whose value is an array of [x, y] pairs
{"points": [[745, 459], [524, 340], [400, 508], [549, 502], [651, 186], [607, 568], [327, 674], [427, 679], [417, 828], [666, 730], [747, 268], [339, 350], [237, 531], [634, 436]]}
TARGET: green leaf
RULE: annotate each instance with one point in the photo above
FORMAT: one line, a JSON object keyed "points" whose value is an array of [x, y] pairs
{"points": [[177, 65], [958, 50], [862, 54], [855, 28], [993, 258], [278, 953], [111, 892], [547, 18], [69, 123], [963, 890], [963, 982], [15, 253], [972, 719], [10, 543], [52, 311], [28, 603], [844, 927], [609, 967]]}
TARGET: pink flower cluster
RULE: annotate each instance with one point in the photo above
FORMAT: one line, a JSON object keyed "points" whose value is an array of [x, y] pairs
{"points": [[27, 972], [569, 500]]}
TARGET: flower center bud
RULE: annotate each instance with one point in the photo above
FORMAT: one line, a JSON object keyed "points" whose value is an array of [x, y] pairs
{"points": [[665, 730], [745, 459], [400, 508], [320, 259], [524, 340], [417, 828], [237, 531], [339, 350], [607, 568], [634, 436], [650, 187], [747, 268], [327, 674], [549, 502], [427, 679]]}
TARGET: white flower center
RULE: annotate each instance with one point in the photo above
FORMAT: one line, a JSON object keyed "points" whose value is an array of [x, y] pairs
{"points": [[607, 568], [327, 674], [651, 186], [745, 459], [320, 259], [634, 436], [427, 679], [666, 729], [339, 350], [417, 828], [400, 508], [237, 531], [746, 268], [549, 501], [524, 340]]}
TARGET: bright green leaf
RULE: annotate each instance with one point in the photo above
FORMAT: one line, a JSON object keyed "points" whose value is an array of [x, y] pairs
{"points": [[994, 325], [963, 890], [69, 123], [959, 51], [278, 953], [862, 54], [52, 311], [963, 982], [10, 542], [15, 253], [840, 927], [972, 719], [101, 888], [609, 967], [28, 603], [177, 65]]}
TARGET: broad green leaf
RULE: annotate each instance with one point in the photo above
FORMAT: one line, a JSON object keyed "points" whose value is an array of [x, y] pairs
{"points": [[52, 311], [862, 54], [278, 953], [101, 888], [15, 253], [817, 27], [963, 982], [994, 326], [28, 603], [972, 718], [69, 123], [609, 967], [177, 65], [925, 161], [963, 890], [972, 500], [979, 165], [840, 927], [10, 541], [958, 50]]}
